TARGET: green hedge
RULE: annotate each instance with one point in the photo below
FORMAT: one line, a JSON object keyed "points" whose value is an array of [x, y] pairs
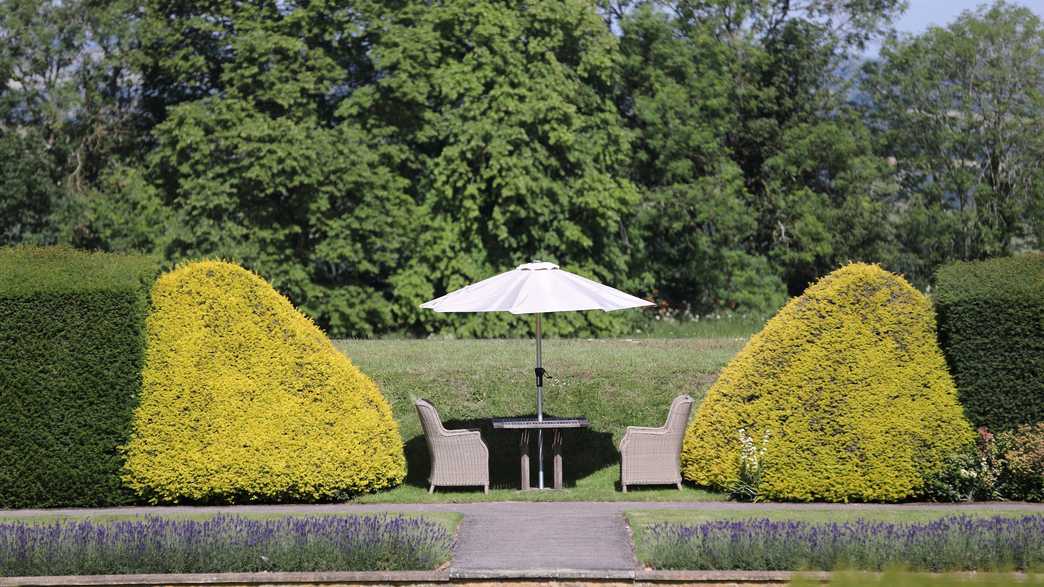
{"points": [[71, 348], [991, 326]]}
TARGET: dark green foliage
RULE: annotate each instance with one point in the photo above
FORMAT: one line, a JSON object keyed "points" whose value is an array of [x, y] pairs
{"points": [[756, 175], [959, 108], [251, 164], [71, 348], [513, 146], [694, 219], [67, 107], [26, 189], [365, 156], [991, 327]]}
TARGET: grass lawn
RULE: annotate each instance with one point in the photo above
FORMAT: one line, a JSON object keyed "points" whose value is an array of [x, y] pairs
{"points": [[615, 383]]}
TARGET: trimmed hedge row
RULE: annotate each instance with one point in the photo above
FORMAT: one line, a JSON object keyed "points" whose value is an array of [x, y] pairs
{"points": [[245, 399], [71, 348], [843, 396], [991, 327]]}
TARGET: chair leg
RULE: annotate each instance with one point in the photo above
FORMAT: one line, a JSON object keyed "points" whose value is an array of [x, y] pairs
{"points": [[485, 488], [624, 487], [679, 484], [431, 489]]}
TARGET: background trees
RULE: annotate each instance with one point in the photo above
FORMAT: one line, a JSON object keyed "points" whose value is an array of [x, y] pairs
{"points": [[365, 156], [961, 110], [511, 141]]}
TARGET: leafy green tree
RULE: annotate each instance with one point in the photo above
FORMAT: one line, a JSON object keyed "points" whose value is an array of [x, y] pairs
{"points": [[819, 191], [286, 56], [38, 44], [961, 110], [27, 188], [694, 217], [253, 166], [827, 200], [67, 108], [512, 142], [747, 98], [848, 23], [365, 156]]}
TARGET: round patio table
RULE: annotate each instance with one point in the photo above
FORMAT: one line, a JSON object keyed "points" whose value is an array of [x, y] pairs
{"points": [[526, 426]]}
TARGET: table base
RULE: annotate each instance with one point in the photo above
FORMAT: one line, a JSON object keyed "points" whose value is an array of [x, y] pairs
{"points": [[556, 450]]}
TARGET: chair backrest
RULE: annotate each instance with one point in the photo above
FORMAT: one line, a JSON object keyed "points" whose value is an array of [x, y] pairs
{"points": [[678, 416], [430, 421]]}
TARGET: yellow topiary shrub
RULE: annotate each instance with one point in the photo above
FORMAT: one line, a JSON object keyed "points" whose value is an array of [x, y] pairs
{"points": [[245, 399], [845, 389]]}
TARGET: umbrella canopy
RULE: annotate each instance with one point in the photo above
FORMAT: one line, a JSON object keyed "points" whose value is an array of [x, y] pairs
{"points": [[535, 288]]}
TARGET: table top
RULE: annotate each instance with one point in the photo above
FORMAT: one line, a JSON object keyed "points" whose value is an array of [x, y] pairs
{"points": [[531, 422]]}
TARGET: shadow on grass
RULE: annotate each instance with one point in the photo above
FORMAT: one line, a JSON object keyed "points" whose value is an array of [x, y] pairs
{"points": [[584, 451]]}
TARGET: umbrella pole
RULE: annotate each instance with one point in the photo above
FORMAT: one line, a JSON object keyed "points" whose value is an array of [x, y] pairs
{"points": [[540, 405]]}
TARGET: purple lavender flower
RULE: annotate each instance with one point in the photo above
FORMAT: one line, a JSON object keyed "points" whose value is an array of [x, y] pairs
{"points": [[221, 544], [955, 543]]}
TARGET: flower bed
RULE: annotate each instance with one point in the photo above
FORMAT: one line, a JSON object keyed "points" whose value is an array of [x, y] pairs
{"points": [[223, 544], [954, 543]]}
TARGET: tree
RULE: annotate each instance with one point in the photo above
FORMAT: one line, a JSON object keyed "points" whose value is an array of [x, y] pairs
{"points": [[694, 218], [826, 200], [751, 157], [815, 182], [67, 108], [960, 109], [505, 115], [366, 156], [27, 188], [848, 23], [255, 167]]}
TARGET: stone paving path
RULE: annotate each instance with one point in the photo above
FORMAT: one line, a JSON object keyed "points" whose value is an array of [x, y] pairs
{"points": [[525, 536], [544, 536]]}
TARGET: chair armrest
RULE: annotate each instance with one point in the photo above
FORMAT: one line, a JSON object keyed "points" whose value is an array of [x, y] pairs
{"points": [[468, 439], [462, 432], [635, 432], [647, 429]]}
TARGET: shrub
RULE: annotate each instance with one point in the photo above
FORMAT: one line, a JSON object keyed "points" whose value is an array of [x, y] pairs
{"points": [[245, 399], [1009, 465], [1024, 456], [71, 347], [991, 326], [848, 386], [976, 472]]}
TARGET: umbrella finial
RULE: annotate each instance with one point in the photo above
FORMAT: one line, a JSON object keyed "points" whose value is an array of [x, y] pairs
{"points": [[537, 266]]}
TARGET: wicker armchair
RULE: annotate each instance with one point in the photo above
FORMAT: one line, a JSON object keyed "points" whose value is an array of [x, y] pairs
{"points": [[650, 456], [458, 457]]}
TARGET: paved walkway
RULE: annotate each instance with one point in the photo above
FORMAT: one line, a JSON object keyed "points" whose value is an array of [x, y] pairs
{"points": [[544, 536], [527, 537]]}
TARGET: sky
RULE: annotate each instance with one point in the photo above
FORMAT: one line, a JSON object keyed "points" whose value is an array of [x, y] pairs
{"points": [[922, 14]]}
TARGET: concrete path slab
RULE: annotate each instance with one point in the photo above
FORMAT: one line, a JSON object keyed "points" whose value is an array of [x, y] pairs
{"points": [[521, 537]]}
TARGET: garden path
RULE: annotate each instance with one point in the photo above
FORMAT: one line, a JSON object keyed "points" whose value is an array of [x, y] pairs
{"points": [[525, 537]]}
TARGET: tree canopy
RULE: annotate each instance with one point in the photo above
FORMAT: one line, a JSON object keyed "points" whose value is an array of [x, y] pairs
{"points": [[366, 156]]}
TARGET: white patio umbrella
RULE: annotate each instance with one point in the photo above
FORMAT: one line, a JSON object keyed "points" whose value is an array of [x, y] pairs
{"points": [[535, 288]]}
